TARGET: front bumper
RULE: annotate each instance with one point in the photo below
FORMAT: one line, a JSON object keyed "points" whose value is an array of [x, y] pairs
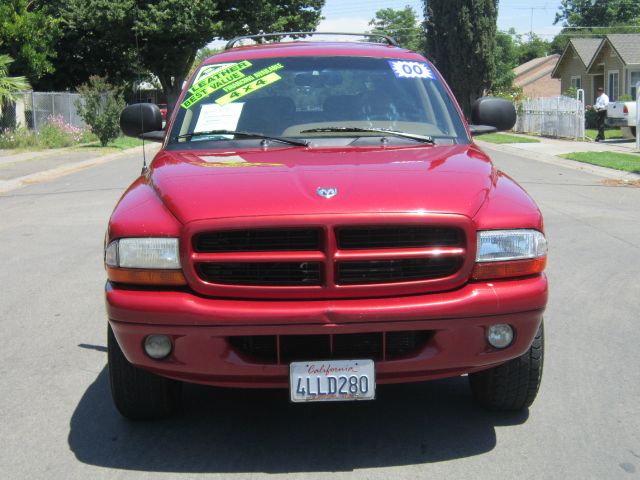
{"points": [[200, 328]]}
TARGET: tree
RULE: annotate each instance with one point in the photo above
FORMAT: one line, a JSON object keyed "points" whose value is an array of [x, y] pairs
{"points": [[120, 37], [600, 13], [461, 40], [9, 86], [403, 25], [506, 60], [27, 34], [100, 106], [531, 47]]}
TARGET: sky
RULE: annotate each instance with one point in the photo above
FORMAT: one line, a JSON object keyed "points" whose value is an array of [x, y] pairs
{"points": [[354, 15]]}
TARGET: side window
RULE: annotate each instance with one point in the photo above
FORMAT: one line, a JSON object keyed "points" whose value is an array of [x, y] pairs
{"points": [[614, 85], [576, 82], [634, 78]]}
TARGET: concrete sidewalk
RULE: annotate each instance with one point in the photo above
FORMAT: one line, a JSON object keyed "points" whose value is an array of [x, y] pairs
{"points": [[25, 168], [549, 149]]}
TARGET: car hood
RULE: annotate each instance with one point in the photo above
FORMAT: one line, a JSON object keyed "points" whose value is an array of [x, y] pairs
{"points": [[198, 185]]}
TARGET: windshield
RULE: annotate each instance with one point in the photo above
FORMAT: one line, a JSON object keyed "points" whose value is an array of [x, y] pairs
{"points": [[315, 98]]}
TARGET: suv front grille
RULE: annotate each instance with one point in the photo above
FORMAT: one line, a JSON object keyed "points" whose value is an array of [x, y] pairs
{"points": [[330, 256], [293, 348]]}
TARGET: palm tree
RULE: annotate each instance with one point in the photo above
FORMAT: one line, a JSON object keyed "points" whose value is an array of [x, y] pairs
{"points": [[10, 86]]}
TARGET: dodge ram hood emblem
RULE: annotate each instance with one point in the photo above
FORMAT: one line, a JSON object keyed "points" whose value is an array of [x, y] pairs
{"points": [[327, 192]]}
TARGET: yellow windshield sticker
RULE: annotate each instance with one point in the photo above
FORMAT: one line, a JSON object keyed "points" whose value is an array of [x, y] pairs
{"points": [[248, 88], [231, 72], [252, 77], [230, 79]]}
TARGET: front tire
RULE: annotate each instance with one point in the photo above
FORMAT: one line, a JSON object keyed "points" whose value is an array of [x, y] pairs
{"points": [[513, 385], [138, 394]]}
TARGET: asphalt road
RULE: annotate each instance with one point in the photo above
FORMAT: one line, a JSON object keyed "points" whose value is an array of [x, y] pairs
{"points": [[57, 419]]}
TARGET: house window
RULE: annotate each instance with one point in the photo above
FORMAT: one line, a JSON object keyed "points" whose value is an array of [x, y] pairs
{"points": [[634, 78], [614, 85], [576, 82]]}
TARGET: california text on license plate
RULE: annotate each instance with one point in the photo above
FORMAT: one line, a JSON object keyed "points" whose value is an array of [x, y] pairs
{"points": [[332, 380]]}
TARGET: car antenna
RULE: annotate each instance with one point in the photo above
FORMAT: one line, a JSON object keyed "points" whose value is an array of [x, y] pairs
{"points": [[144, 155]]}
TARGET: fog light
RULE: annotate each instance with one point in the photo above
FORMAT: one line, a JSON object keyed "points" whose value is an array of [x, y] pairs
{"points": [[500, 336], [158, 346]]}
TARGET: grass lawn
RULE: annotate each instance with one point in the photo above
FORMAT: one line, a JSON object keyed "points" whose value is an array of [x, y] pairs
{"points": [[608, 133], [120, 143], [504, 138], [619, 161]]}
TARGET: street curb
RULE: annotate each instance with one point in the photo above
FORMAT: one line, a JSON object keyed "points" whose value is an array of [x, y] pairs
{"points": [[563, 162], [42, 154], [46, 175]]}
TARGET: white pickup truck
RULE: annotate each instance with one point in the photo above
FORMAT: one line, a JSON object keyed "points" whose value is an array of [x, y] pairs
{"points": [[623, 115]]}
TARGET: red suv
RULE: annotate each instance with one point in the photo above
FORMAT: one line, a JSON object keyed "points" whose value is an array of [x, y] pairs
{"points": [[319, 219]]}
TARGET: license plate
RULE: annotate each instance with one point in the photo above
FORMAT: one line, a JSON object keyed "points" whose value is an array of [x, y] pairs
{"points": [[332, 380]]}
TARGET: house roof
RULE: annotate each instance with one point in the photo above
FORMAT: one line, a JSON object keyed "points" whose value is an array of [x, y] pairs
{"points": [[627, 45], [530, 65], [535, 63], [530, 72], [586, 48]]}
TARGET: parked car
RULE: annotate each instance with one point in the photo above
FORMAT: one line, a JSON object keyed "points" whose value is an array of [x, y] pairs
{"points": [[319, 219], [623, 115]]}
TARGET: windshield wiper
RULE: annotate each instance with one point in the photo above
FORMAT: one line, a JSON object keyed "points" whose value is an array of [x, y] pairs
{"points": [[189, 136], [412, 136]]}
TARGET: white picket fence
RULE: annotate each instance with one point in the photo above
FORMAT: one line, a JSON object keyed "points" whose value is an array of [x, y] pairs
{"points": [[561, 117]]}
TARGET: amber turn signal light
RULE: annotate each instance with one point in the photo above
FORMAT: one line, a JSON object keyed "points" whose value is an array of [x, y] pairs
{"points": [[139, 276], [512, 268]]}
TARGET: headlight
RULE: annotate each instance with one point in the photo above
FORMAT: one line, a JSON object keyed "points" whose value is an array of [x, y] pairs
{"points": [[144, 261], [504, 245], [510, 253]]}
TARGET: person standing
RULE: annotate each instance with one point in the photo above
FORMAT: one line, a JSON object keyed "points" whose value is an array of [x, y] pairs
{"points": [[600, 107]]}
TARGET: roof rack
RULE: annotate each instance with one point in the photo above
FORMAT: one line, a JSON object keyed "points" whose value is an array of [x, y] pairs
{"points": [[233, 41]]}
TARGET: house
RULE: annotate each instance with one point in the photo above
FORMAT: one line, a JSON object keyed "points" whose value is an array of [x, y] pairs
{"points": [[535, 78], [617, 64], [611, 62], [571, 68]]}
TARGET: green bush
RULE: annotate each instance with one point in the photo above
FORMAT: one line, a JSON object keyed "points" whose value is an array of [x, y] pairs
{"points": [[99, 106], [626, 98], [591, 118]]}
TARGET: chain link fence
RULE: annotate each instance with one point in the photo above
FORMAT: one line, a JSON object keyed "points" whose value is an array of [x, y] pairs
{"points": [[562, 117], [32, 109]]}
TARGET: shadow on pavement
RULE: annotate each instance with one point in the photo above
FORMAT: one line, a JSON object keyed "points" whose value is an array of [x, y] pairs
{"points": [[233, 431]]}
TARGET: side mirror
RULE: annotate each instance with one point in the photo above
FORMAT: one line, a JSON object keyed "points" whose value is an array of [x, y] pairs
{"points": [[140, 118], [498, 113]]}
